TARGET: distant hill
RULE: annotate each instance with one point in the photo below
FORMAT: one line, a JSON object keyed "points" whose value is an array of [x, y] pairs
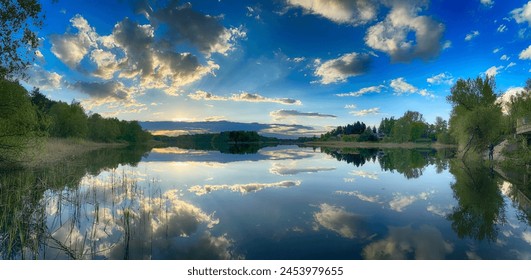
{"points": [[269, 130]]}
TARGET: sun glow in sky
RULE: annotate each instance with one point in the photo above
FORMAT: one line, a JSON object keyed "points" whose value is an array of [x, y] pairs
{"points": [[317, 63]]}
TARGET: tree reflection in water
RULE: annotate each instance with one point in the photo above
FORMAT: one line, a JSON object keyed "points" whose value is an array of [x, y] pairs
{"points": [[480, 208]]}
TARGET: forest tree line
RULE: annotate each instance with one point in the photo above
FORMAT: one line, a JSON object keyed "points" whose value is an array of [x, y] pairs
{"points": [[25, 117]]}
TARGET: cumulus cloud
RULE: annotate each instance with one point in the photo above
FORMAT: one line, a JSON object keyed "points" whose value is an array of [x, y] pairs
{"points": [[281, 114], [392, 36], [182, 23], [45, 80], [400, 86], [242, 97], [364, 174], [353, 12], [525, 54], [364, 112], [340, 69], [505, 98], [362, 91], [493, 71], [72, 48], [471, 35], [504, 57], [241, 188], [510, 65], [113, 89], [442, 78], [523, 14]]}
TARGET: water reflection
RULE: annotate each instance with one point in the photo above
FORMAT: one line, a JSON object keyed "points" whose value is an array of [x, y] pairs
{"points": [[480, 209], [409, 162], [279, 203]]}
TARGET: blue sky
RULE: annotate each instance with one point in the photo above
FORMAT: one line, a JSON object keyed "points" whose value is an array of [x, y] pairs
{"points": [[317, 63]]}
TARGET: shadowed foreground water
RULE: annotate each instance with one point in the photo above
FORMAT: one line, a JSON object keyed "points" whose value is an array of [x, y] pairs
{"points": [[277, 203]]}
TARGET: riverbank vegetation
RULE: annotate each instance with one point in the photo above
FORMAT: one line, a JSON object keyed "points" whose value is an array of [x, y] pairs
{"points": [[28, 119]]}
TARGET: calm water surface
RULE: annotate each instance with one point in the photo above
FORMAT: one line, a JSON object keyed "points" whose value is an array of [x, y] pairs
{"points": [[278, 203]]}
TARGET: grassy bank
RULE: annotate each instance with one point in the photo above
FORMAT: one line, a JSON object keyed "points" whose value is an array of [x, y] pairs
{"points": [[51, 150], [408, 145]]}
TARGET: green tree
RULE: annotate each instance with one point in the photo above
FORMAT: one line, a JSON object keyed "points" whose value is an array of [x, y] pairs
{"points": [[17, 120], [476, 119], [68, 120], [18, 21]]}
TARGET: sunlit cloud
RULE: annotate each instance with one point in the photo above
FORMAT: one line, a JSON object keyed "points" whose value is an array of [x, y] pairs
{"points": [[365, 112], [242, 97], [362, 91], [525, 54], [241, 188], [340, 69], [282, 114], [487, 3], [43, 79], [523, 14], [502, 28], [391, 36], [342, 12], [401, 86], [493, 71]]}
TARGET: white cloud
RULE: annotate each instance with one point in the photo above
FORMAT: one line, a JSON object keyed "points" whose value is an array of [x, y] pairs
{"points": [[424, 243], [523, 14], [292, 169], [505, 98], [400, 202], [510, 65], [400, 86], [350, 106], [525, 54], [44, 80], [242, 97], [365, 174], [340, 69], [281, 114], [496, 50], [502, 28], [362, 91], [339, 11], [442, 78], [242, 188], [364, 112], [472, 35], [392, 35], [360, 196], [504, 57], [488, 3], [344, 223], [71, 48], [493, 71]]}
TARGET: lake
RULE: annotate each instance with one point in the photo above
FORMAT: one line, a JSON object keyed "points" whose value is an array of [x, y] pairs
{"points": [[283, 202]]}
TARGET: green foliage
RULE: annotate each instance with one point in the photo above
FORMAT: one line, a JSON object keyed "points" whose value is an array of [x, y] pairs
{"points": [[18, 19], [480, 203], [68, 120], [18, 120], [410, 127], [355, 128], [476, 120], [103, 130], [368, 136], [243, 136]]}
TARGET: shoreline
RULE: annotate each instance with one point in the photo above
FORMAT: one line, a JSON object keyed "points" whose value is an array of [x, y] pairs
{"points": [[408, 145], [53, 150]]}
